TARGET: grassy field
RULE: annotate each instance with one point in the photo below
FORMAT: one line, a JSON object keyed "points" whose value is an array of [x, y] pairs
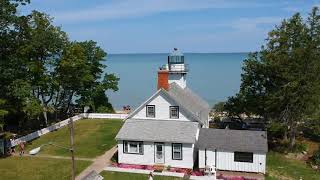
{"points": [[92, 138], [33, 168], [130, 176], [280, 167]]}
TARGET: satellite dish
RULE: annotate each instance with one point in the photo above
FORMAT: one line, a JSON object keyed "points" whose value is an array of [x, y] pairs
{"points": [[35, 151]]}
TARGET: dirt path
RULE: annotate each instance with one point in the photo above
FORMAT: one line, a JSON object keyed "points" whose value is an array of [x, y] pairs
{"points": [[54, 157], [100, 163]]}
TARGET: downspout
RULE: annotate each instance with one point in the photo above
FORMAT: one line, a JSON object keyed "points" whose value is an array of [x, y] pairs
{"points": [[205, 157]]}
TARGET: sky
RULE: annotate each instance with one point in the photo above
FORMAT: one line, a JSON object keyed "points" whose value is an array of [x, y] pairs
{"points": [[157, 26]]}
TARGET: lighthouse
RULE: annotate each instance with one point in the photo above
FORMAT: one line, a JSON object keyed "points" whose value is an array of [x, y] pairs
{"points": [[175, 71]]}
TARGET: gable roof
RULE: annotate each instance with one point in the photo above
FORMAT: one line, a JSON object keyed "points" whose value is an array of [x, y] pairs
{"points": [[233, 140], [197, 108], [158, 131], [190, 101]]}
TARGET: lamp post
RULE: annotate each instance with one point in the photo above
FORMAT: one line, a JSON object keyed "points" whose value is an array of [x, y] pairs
{"points": [[71, 149]]}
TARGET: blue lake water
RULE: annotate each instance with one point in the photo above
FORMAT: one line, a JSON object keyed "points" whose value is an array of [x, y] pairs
{"points": [[213, 76]]}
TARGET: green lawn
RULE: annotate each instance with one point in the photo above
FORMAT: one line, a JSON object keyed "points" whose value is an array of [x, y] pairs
{"points": [[34, 168], [280, 167], [131, 176], [92, 138]]}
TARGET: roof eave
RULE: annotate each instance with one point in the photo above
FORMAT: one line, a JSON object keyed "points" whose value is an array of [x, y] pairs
{"points": [[156, 140], [143, 104], [232, 150]]}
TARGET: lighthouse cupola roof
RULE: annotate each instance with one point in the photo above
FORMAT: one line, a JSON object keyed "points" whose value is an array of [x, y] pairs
{"points": [[175, 57]]}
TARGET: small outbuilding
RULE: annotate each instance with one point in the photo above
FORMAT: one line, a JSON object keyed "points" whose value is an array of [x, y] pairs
{"points": [[233, 150]]}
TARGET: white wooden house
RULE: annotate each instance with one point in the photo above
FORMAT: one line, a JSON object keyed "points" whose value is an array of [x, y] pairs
{"points": [[233, 150], [165, 128]]}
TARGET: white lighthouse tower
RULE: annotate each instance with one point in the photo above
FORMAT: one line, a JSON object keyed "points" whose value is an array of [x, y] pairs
{"points": [[176, 68]]}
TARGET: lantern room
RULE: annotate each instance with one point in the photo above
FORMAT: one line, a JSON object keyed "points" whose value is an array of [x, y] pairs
{"points": [[176, 69]]}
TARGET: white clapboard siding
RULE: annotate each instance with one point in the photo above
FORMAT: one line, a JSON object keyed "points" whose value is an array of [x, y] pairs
{"points": [[162, 111], [210, 158], [147, 158], [225, 161]]}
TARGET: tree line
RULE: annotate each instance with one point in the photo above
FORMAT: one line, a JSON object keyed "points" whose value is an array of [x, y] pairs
{"points": [[43, 72], [281, 82]]}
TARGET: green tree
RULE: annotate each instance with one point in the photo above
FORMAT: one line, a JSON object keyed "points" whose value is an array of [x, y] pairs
{"points": [[80, 77], [41, 70], [281, 82], [93, 92], [219, 107], [13, 69], [235, 106], [45, 42], [73, 74], [3, 112]]}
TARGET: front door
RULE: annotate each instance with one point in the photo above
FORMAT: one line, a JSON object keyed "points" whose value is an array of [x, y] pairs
{"points": [[159, 153]]}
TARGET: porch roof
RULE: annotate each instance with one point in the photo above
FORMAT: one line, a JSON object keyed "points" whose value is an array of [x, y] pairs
{"points": [[158, 131]]}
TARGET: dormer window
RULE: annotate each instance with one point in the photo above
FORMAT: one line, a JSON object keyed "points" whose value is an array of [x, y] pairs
{"points": [[174, 112], [151, 111]]}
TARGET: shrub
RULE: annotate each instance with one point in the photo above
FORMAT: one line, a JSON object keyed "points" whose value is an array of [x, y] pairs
{"points": [[216, 119], [114, 158], [168, 168], [275, 130], [300, 147], [316, 157], [284, 147], [311, 130], [104, 109], [158, 168]]}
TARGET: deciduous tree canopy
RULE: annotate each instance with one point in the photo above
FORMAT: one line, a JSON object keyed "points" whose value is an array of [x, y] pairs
{"points": [[42, 71], [281, 82]]}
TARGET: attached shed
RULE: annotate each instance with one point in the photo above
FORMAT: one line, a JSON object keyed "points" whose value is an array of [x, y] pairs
{"points": [[233, 150]]}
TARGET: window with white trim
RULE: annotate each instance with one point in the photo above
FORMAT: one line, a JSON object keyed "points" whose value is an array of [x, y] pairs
{"points": [[176, 151], [133, 147], [243, 157], [151, 111], [174, 112]]}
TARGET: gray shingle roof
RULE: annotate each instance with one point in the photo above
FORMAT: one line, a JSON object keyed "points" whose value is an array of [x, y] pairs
{"points": [[158, 131], [233, 140], [192, 102], [188, 100]]}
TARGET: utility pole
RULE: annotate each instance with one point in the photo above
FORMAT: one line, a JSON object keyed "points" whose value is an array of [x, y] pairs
{"points": [[73, 177]]}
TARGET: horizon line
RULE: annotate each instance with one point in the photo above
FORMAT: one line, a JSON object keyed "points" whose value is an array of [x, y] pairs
{"points": [[133, 53]]}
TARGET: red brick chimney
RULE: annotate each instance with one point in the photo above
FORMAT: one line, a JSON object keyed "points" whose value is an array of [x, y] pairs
{"points": [[163, 78]]}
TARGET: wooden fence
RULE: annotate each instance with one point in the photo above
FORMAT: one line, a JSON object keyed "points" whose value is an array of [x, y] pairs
{"points": [[65, 122], [105, 116]]}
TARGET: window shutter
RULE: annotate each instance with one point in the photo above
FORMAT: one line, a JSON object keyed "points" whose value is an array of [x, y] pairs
{"points": [[141, 148], [125, 146]]}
